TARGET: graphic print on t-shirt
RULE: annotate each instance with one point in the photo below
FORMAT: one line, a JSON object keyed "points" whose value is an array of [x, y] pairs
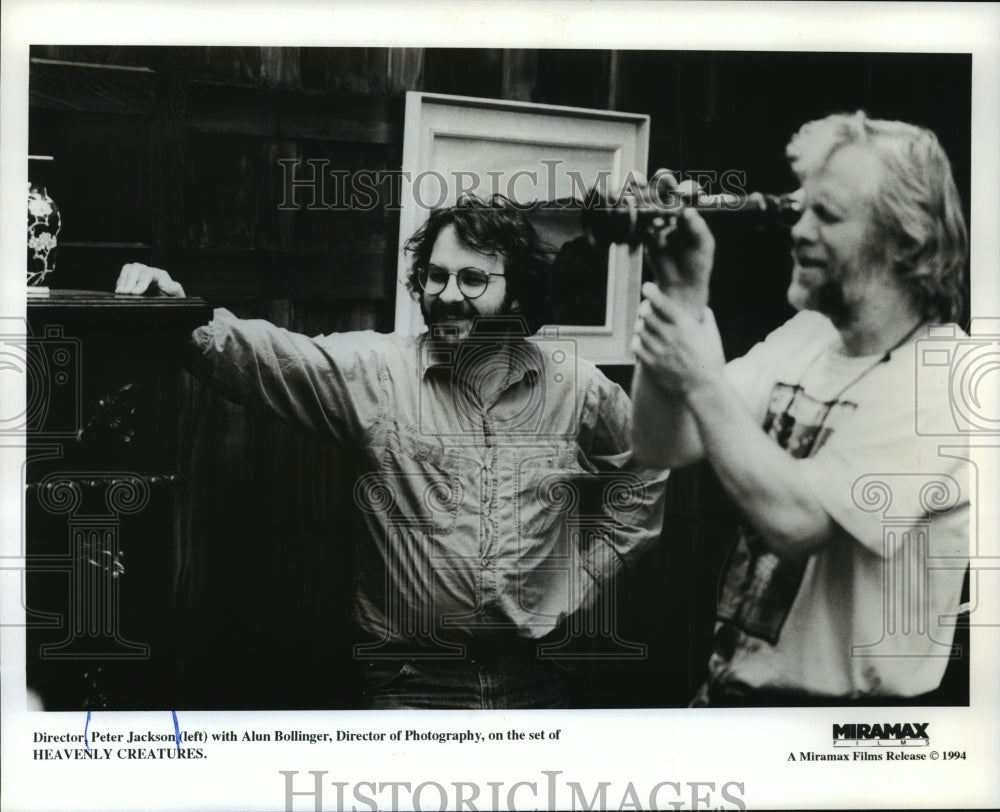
{"points": [[759, 587]]}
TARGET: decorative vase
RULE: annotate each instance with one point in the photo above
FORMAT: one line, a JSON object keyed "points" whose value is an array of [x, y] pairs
{"points": [[44, 222]]}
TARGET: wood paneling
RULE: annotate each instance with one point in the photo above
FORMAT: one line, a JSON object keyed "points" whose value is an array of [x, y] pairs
{"points": [[283, 113], [292, 274], [61, 85]]}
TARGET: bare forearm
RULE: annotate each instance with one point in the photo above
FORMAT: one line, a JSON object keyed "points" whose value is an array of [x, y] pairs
{"points": [[760, 477], [664, 432]]}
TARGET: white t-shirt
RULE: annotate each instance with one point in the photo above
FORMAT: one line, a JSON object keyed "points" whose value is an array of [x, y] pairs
{"points": [[872, 612]]}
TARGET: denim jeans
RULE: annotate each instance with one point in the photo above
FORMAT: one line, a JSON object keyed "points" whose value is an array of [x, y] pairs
{"points": [[472, 683]]}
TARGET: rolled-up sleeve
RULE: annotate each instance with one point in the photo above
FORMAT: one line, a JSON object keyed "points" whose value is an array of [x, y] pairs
{"points": [[328, 385]]}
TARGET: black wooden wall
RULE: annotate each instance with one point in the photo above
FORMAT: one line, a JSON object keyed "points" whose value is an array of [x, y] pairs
{"points": [[170, 156]]}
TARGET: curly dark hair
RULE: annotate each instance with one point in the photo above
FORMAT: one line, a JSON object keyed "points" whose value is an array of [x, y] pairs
{"points": [[496, 227]]}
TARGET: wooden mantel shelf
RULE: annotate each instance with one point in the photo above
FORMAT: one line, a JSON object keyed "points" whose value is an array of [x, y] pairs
{"points": [[117, 310]]}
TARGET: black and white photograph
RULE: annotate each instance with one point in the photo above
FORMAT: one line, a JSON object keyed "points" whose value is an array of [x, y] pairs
{"points": [[404, 412]]}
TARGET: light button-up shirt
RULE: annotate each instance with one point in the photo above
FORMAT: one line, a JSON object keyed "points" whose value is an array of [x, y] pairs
{"points": [[497, 489]]}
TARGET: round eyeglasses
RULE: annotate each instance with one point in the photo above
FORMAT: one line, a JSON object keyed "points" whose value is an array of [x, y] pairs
{"points": [[472, 283]]}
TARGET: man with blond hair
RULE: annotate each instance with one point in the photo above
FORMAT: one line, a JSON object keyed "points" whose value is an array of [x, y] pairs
{"points": [[814, 432]]}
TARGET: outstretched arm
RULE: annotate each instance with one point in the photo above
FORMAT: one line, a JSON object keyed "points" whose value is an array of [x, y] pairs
{"points": [[327, 386]]}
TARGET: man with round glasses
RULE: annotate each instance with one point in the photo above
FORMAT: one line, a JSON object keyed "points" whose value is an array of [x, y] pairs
{"points": [[497, 489]]}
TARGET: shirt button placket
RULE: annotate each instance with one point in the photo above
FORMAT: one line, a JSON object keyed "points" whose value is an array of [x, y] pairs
{"points": [[488, 576]]}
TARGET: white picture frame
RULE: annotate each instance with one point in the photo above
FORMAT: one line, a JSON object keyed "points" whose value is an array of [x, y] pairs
{"points": [[528, 152]]}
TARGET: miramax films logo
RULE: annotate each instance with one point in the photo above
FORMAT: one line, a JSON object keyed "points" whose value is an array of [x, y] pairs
{"points": [[884, 734]]}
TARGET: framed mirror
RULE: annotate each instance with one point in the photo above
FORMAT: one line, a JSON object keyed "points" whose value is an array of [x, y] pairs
{"points": [[533, 154]]}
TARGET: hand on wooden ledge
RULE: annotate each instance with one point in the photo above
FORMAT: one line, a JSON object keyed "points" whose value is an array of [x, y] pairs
{"points": [[136, 279]]}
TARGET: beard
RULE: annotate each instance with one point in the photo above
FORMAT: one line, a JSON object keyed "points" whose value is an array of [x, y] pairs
{"points": [[461, 320], [829, 300], [832, 284], [813, 288]]}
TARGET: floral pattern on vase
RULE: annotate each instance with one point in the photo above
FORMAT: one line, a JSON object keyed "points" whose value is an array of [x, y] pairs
{"points": [[44, 222]]}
